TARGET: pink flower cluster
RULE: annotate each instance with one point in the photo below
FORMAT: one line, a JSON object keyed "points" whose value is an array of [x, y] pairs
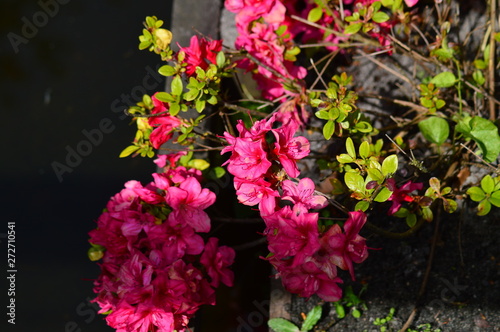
{"points": [[156, 270], [257, 23], [306, 260]]}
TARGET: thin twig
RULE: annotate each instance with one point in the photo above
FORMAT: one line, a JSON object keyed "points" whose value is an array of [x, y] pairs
{"points": [[385, 67]]}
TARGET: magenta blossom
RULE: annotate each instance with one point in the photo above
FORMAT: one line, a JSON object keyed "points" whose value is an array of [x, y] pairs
{"points": [[188, 202], [201, 53], [400, 194], [217, 260], [303, 193], [292, 234], [256, 192], [344, 248], [289, 149]]}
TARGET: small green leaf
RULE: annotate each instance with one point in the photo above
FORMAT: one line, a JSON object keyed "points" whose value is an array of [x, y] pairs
{"points": [[354, 182], [364, 149], [128, 151], [167, 70], [411, 219], [200, 105], [344, 158], [176, 86], [353, 28], [315, 14], [380, 17], [200, 164], [356, 313], [220, 59], [435, 184], [329, 129], [375, 174], [478, 77], [487, 184], [435, 129], [444, 80], [383, 195], [390, 165], [362, 205], [339, 308], [350, 148], [282, 325], [495, 198], [427, 214], [217, 172], [311, 319], [483, 208]]}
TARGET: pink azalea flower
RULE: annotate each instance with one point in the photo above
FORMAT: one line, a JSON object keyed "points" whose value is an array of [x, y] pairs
{"points": [[289, 149], [249, 159], [400, 194], [292, 233], [201, 53], [256, 192], [163, 124], [308, 279], [143, 318], [303, 193], [411, 3], [188, 202], [217, 260], [348, 247]]}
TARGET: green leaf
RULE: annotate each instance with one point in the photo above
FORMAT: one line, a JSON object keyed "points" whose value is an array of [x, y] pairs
{"points": [[164, 97], [353, 28], [495, 198], [315, 14], [344, 158], [167, 70], [485, 133], [375, 174], [350, 148], [282, 325], [390, 165], [362, 205], [356, 313], [220, 59], [411, 219], [322, 115], [364, 149], [380, 17], [483, 208], [427, 214], [176, 86], [339, 308], [200, 105], [329, 129], [311, 319], [128, 151], [383, 195], [354, 182], [480, 64], [444, 80], [478, 77], [200, 164], [487, 184], [217, 172], [435, 184], [435, 129]]}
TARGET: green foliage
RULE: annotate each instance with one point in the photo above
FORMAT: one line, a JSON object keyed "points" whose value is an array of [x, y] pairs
{"points": [[352, 302], [482, 131], [424, 328], [364, 17], [436, 192], [487, 194], [156, 39], [430, 97], [283, 325], [338, 107], [382, 322], [435, 129]]}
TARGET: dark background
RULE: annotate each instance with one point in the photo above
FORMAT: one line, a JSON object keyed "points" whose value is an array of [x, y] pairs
{"points": [[66, 74], [79, 66]]}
